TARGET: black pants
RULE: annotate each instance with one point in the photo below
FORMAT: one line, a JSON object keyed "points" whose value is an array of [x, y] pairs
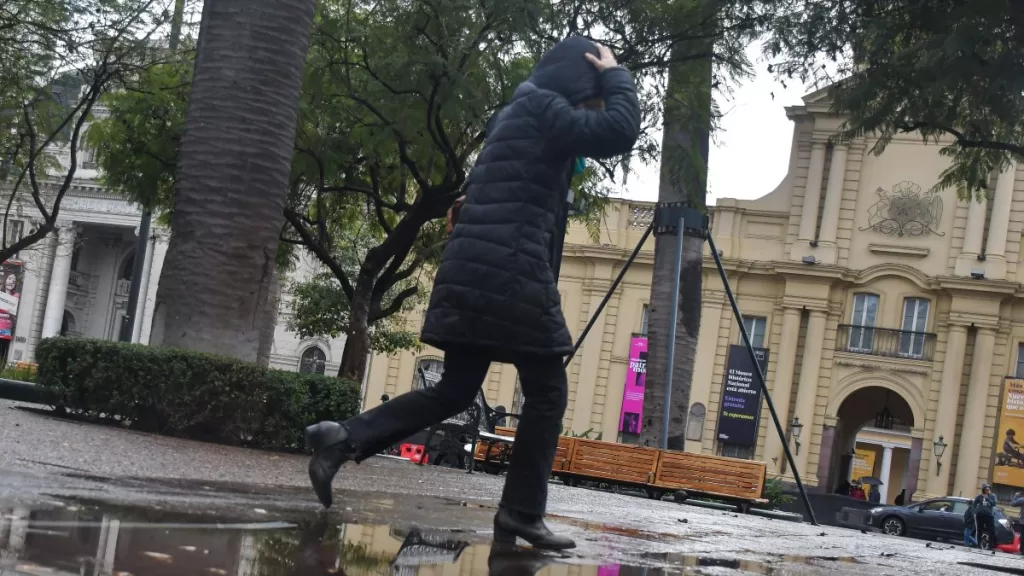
{"points": [[545, 390]]}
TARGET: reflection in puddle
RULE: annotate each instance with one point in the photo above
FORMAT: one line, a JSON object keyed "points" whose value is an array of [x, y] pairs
{"points": [[65, 540]]}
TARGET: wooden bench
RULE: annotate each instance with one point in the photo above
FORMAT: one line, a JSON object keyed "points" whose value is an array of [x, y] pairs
{"points": [[621, 463], [715, 476]]}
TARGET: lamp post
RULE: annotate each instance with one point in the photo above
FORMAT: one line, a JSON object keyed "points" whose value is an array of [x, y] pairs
{"points": [[940, 449], [796, 428]]}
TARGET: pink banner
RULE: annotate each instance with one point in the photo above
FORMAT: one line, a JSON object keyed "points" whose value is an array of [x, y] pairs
{"points": [[636, 381]]}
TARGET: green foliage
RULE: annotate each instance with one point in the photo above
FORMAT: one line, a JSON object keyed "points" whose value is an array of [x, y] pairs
{"points": [[947, 70], [775, 494], [320, 308], [21, 373], [136, 144], [183, 393]]}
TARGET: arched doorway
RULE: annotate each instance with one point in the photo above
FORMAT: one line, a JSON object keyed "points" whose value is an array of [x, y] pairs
{"points": [[873, 436]]}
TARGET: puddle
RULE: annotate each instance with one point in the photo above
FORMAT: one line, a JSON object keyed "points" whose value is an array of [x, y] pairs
{"points": [[64, 538]]}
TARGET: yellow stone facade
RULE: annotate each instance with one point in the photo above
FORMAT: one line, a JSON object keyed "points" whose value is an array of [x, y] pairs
{"points": [[871, 292]]}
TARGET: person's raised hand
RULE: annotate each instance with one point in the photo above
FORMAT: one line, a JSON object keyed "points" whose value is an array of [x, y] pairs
{"points": [[606, 61]]}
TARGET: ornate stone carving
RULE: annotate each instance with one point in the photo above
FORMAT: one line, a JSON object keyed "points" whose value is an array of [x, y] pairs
{"points": [[906, 210], [641, 216]]}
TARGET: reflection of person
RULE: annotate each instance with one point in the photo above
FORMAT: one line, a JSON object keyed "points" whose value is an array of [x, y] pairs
{"points": [[494, 297], [876, 495], [1011, 447]]}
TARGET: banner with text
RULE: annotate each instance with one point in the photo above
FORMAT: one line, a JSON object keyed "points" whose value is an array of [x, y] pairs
{"points": [[740, 410], [1009, 468], [636, 383], [10, 297]]}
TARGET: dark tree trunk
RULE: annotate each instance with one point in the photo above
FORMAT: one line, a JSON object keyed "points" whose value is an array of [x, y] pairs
{"points": [[357, 342], [683, 179], [236, 154]]}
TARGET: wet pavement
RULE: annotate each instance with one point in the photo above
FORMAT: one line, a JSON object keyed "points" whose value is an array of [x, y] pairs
{"points": [[84, 499]]}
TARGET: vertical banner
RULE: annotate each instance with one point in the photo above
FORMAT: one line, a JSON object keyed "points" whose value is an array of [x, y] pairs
{"points": [[863, 463], [11, 276], [636, 383], [740, 411], [1009, 468]]}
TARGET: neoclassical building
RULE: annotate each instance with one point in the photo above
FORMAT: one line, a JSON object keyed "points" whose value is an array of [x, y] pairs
{"points": [[76, 281], [890, 314]]}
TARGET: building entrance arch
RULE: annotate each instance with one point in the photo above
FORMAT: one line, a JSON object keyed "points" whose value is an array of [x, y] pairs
{"points": [[872, 433]]}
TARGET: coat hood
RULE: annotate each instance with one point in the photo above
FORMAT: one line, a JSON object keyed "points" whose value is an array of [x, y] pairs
{"points": [[565, 70]]}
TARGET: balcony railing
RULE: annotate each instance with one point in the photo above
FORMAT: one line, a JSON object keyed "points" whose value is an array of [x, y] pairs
{"points": [[886, 342]]}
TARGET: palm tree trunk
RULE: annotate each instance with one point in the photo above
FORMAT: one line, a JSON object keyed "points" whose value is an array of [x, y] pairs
{"points": [[236, 155], [683, 178], [268, 328]]}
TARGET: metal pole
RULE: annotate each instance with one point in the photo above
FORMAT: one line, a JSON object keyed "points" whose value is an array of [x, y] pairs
{"points": [[672, 332], [760, 378], [608, 295]]}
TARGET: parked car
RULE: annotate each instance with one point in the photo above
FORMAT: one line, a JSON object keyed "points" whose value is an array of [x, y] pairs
{"points": [[939, 518]]}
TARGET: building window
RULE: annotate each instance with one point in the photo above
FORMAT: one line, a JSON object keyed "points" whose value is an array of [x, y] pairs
{"points": [[865, 313], [644, 319], [915, 323], [517, 400], [1020, 361], [428, 372], [735, 451], [756, 327], [313, 361]]}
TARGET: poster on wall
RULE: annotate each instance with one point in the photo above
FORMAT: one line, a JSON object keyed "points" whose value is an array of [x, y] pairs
{"points": [[1009, 468], [740, 412], [863, 463], [12, 273], [636, 382]]}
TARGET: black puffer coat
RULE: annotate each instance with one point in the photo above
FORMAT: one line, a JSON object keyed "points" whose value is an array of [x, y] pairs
{"points": [[494, 290]]}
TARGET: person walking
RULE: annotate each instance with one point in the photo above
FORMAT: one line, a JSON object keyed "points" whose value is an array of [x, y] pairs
{"points": [[495, 298]]}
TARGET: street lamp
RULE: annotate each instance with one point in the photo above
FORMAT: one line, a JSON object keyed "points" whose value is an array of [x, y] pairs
{"points": [[940, 449], [796, 428]]}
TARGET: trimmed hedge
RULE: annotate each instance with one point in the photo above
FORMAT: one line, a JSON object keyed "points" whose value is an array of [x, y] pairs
{"points": [[189, 394]]}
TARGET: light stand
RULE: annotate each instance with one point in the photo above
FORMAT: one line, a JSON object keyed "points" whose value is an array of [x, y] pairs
{"points": [[681, 220]]}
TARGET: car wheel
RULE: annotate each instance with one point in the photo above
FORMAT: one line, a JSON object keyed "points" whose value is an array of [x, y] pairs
{"points": [[893, 526]]}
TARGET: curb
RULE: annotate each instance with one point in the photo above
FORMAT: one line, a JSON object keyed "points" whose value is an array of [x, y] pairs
{"points": [[23, 392]]}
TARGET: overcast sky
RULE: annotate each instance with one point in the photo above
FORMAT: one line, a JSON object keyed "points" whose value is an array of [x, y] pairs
{"points": [[751, 154]]}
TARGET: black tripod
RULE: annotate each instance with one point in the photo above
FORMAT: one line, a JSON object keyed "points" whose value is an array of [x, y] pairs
{"points": [[679, 220]]}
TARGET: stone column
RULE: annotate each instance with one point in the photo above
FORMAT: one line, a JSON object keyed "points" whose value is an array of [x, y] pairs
{"points": [[781, 386], [1000, 222], [704, 364], [884, 474], [949, 398], [812, 193], [147, 269], [975, 226], [968, 446], [67, 234], [807, 393], [833, 195], [828, 440], [156, 266], [914, 466]]}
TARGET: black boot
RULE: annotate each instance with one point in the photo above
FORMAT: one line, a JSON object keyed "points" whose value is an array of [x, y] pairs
{"points": [[509, 524], [512, 562], [331, 449]]}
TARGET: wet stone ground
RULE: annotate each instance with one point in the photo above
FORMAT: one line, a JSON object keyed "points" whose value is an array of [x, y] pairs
{"points": [[92, 500]]}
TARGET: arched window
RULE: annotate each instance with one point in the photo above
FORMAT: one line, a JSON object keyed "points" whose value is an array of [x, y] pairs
{"points": [[67, 325], [432, 368], [313, 361]]}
